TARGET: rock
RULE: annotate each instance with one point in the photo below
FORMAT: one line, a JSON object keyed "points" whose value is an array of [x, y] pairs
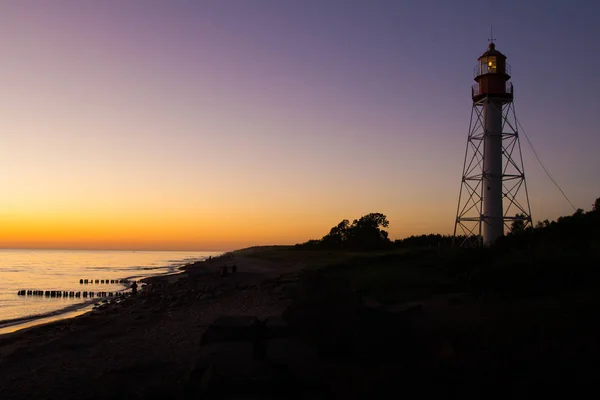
{"points": [[325, 311], [229, 363], [268, 284], [371, 303], [383, 336], [277, 327], [297, 358], [286, 279], [230, 328], [279, 291], [219, 365], [446, 351], [205, 297], [408, 308], [457, 298]]}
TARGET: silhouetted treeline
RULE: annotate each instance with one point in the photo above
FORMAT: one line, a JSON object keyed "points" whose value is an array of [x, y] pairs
{"points": [[549, 258], [432, 239], [362, 234], [366, 234], [578, 232]]}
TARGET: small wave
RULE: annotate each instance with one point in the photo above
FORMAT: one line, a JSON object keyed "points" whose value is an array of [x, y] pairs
{"points": [[12, 269], [187, 259], [16, 321]]}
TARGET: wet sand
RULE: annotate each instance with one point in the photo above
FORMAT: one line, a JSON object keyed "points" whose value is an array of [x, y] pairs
{"points": [[31, 322], [142, 347]]}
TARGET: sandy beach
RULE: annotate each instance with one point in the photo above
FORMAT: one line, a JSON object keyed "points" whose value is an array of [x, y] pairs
{"points": [[145, 346]]}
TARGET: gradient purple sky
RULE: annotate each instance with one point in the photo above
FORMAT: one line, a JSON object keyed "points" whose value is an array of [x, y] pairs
{"points": [[221, 124]]}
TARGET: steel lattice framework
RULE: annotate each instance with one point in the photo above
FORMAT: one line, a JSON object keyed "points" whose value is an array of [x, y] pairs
{"points": [[515, 198]]}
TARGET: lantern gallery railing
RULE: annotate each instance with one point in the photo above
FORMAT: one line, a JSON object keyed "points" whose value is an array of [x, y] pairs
{"points": [[476, 89]]}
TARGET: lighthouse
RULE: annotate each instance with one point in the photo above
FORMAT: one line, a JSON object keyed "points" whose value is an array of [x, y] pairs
{"points": [[493, 193]]}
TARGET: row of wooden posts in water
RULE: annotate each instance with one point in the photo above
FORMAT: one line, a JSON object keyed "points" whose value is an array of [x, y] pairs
{"points": [[60, 293], [102, 281]]}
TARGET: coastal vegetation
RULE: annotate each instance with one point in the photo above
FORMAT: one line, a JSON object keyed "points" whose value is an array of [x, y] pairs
{"points": [[362, 234], [550, 258]]}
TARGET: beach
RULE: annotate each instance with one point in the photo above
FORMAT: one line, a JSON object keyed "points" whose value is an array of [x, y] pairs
{"points": [[151, 339], [41, 285], [344, 344]]}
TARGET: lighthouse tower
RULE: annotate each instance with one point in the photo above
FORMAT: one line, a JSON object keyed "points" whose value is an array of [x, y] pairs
{"points": [[493, 193]]}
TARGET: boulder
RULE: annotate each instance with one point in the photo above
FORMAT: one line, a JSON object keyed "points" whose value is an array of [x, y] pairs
{"points": [[326, 312], [229, 368], [277, 327], [243, 356], [205, 297], [230, 328], [369, 302]]}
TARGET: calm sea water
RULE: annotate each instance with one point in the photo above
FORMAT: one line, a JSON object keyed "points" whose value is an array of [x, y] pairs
{"points": [[62, 270]]}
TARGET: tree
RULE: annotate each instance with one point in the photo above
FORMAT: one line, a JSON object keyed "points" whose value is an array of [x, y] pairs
{"points": [[338, 235], [518, 224], [373, 220], [542, 224], [596, 206], [364, 233]]}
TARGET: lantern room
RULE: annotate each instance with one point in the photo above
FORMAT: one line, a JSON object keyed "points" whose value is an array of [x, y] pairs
{"points": [[492, 74]]}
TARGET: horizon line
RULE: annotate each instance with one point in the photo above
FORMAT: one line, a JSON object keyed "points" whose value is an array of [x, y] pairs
{"points": [[91, 249]]}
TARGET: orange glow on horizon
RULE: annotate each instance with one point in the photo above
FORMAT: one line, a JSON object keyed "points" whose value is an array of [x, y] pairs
{"points": [[219, 231]]}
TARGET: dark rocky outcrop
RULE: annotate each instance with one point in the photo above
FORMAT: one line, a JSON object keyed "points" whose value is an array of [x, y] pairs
{"points": [[326, 312]]}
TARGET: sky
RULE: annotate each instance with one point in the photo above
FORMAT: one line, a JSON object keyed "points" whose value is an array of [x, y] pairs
{"points": [[215, 125]]}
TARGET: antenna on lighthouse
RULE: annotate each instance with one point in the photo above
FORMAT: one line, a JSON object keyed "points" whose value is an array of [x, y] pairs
{"points": [[493, 193], [492, 39]]}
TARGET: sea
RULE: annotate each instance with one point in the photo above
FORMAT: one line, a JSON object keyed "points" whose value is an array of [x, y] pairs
{"points": [[62, 270]]}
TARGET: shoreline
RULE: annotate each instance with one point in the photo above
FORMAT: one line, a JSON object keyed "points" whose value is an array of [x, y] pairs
{"points": [[14, 325], [56, 314], [40, 322], [142, 343]]}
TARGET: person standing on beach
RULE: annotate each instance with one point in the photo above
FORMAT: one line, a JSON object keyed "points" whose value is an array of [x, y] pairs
{"points": [[134, 287]]}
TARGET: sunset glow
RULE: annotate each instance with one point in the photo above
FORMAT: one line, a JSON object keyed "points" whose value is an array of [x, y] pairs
{"points": [[215, 125]]}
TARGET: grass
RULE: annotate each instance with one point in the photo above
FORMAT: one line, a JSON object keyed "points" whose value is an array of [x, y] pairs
{"points": [[397, 275], [389, 276]]}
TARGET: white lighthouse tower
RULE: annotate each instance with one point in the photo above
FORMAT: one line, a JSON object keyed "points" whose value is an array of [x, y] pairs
{"points": [[493, 190]]}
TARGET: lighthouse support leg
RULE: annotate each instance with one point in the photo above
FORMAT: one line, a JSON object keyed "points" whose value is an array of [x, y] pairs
{"points": [[492, 159]]}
